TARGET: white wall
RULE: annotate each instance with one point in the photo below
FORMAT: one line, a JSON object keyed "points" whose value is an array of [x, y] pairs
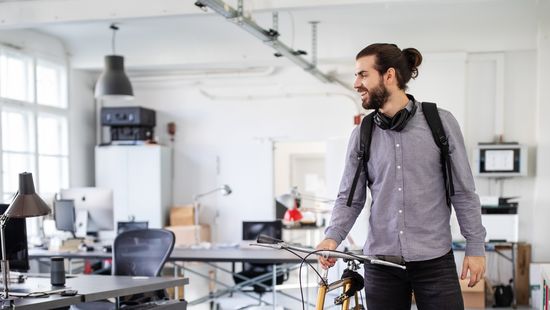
{"points": [[541, 212], [229, 140], [82, 128]]}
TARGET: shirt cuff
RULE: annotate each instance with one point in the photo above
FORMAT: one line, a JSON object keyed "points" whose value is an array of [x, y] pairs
{"points": [[334, 234], [475, 249]]}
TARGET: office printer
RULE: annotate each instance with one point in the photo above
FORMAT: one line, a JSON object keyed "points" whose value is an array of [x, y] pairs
{"points": [[499, 215]]}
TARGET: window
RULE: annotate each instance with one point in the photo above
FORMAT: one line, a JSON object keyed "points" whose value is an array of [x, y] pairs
{"points": [[34, 122]]}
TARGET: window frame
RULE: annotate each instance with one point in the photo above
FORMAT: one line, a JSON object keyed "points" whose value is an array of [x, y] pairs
{"points": [[36, 109]]}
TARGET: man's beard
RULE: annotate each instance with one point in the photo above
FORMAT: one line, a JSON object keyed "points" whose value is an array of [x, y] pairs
{"points": [[377, 97]]}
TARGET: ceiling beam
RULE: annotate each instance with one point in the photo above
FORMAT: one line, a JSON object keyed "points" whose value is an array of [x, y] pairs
{"points": [[33, 13]]}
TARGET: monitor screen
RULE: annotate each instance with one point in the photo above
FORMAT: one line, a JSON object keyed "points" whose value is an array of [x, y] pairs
{"points": [[64, 215], [127, 226], [16, 242], [500, 160], [97, 201], [251, 230]]}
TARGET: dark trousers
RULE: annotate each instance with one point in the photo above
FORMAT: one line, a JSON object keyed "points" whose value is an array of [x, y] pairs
{"points": [[434, 283]]}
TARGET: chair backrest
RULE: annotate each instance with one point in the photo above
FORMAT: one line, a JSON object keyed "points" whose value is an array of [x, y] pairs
{"points": [[251, 230], [142, 252]]}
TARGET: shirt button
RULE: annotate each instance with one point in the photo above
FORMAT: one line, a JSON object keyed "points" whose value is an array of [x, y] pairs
{"points": [[398, 167], [397, 145], [400, 211], [401, 232], [399, 189]]}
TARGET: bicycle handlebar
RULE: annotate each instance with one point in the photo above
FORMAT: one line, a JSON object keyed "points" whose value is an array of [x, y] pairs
{"points": [[269, 242]]}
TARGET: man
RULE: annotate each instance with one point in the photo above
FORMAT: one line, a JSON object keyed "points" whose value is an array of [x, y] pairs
{"points": [[409, 216]]}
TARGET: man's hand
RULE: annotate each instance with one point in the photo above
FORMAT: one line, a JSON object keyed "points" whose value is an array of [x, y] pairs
{"points": [[476, 266], [327, 244]]}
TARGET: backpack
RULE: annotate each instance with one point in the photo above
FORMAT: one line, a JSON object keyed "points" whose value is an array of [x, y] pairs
{"points": [[504, 295], [440, 138]]}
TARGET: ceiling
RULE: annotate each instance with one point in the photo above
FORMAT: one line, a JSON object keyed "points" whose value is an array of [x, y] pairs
{"points": [[177, 34]]}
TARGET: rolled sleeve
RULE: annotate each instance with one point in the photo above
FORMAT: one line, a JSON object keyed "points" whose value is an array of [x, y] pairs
{"points": [[465, 200], [343, 217]]}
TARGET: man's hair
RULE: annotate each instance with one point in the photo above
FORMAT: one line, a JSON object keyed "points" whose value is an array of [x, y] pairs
{"points": [[405, 62]]}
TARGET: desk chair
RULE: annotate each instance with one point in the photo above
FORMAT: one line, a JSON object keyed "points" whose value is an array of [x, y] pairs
{"points": [[141, 252], [251, 230]]}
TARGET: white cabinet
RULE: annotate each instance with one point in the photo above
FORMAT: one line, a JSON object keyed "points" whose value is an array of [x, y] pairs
{"points": [[140, 177]]}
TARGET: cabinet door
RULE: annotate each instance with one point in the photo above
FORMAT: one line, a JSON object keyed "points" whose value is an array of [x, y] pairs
{"points": [[144, 184], [111, 172]]}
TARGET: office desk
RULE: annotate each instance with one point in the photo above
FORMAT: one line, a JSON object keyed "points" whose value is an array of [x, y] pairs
{"points": [[95, 287], [501, 249], [180, 256], [209, 257], [50, 302]]}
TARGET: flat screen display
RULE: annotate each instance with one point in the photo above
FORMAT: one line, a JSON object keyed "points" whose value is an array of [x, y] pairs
{"points": [[16, 242], [251, 230], [499, 160]]}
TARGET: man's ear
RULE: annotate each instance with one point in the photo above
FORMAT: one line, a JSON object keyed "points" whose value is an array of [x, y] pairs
{"points": [[390, 77]]}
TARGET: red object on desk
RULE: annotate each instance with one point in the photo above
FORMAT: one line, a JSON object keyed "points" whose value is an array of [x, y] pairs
{"points": [[293, 215]]}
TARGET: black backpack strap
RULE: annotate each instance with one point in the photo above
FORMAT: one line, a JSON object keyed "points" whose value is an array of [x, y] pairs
{"points": [[365, 134], [440, 138]]}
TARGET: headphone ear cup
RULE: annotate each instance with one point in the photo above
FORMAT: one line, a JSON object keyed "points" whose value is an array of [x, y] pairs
{"points": [[397, 122], [382, 120]]}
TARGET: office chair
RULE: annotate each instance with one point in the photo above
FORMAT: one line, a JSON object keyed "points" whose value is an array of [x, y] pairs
{"points": [[251, 230], [141, 252]]}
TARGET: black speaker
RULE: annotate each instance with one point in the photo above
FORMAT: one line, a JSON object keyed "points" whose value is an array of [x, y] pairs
{"points": [[128, 116], [131, 133]]}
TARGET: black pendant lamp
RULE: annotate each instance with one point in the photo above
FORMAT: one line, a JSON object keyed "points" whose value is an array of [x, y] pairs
{"points": [[113, 83]]}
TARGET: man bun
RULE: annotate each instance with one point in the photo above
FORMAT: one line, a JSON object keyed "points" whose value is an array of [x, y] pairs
{"points": [[414, 59]]}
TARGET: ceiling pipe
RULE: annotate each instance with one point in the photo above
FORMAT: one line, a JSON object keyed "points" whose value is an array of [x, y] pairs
{"points": [[269, 37]]}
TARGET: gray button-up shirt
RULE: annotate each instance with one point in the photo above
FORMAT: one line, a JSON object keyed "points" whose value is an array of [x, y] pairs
{"points": [[409, 215]]}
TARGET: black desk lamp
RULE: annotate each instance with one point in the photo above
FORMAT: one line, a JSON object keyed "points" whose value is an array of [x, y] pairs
{"points": [[25, 204]]}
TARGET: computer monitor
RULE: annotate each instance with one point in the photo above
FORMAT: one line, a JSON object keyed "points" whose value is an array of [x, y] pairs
{"points": [[16, 242], [98, 202], [127, 226], [64, 215], [251, 230]]}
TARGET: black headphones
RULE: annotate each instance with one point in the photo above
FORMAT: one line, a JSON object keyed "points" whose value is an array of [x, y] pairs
{"points": [[399, 120]]}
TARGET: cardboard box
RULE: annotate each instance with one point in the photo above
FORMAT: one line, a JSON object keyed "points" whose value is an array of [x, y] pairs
{"points": [[474, 297], [186, 235], [523, 260], [182, 215]]}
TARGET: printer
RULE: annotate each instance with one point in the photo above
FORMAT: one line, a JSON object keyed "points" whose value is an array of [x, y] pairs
{"points": [[499, 215]]}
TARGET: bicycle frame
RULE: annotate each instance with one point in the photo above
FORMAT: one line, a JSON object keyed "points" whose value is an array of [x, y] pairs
{"points": [[344, 283]]}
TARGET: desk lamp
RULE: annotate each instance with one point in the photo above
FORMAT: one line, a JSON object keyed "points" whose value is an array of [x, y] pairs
{"points": [[225, 189], [25, 204]]}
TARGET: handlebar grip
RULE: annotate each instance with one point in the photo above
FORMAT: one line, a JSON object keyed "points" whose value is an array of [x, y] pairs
{"points": [[268, 240]]}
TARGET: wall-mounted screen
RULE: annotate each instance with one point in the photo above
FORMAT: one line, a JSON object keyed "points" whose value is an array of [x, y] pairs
{"points": [[500, 160]]}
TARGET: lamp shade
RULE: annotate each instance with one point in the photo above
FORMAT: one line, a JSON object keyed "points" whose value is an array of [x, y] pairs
{"points": [[113, 82], [27, 203]]}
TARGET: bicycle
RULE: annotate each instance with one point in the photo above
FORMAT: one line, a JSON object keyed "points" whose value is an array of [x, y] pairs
{"points": [[351, 282]]}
